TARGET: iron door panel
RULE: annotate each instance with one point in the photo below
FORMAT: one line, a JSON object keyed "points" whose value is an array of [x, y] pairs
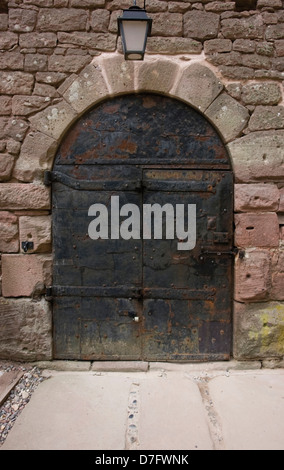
{"points": [[189, 314], [96, 282]]}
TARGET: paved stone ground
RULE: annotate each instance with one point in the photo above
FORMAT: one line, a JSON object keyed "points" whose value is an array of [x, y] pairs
{"points": [[157, 407]]}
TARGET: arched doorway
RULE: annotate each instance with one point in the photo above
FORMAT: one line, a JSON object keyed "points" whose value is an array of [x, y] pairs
{"points": [[142, 194]]}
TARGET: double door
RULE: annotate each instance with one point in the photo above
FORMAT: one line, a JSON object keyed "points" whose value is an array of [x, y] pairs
{"points": [[128, 285]]}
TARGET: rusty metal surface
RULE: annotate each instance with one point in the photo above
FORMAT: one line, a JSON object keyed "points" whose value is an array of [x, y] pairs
{"points": [[142, 299]]}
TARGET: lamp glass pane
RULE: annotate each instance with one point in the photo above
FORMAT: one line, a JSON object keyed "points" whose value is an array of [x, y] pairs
{"points": [[135, 33]]}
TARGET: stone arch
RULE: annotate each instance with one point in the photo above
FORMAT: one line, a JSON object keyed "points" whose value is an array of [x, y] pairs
{"points": [[110, 75]]}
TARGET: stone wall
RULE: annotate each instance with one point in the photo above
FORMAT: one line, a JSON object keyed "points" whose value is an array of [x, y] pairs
{"points": [[225, 58]]}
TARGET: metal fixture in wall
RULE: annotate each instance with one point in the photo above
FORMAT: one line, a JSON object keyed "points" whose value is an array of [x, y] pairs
{"points": [[134, 26]]}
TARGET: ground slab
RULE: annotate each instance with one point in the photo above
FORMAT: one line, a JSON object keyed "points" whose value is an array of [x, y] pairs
{"points": [[166, 406]]}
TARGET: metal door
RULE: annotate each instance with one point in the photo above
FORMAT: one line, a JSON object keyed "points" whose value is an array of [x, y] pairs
{"points": [[141, 298]]}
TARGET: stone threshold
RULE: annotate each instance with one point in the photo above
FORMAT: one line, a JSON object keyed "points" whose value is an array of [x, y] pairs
{"points": [[143, 366]]}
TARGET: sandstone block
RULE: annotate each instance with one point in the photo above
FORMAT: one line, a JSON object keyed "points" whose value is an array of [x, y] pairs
{"points": [[35, 63], [258, 197], [62, 19], [88, 3], [257, 230], [69, 63], [269, 3], [25, 330], [274, 31], [26, 105], [13, 147], [177, 45], [3, 22], [199, 86], [24, 196], [37, 230], [277, 291], [253, 276], [281, 203], [261, 93], [267, 117], [17, 128], [228, 115], [8, 40], [25, 275], [243, 28], [167, 24], [258, 330], [97, 41], [54, 120], [220, 7], [6, 166], [120, 74], [279, 47], [237, 72], [217, 45], [87, 89], [258, 156], [50, 78], [36, 155], [157, 75], [100, 20], [5, 105], [22, 20], [247, 46], [11, 61], [201, 25], [9, 242], [38, 40], [16, 83]]}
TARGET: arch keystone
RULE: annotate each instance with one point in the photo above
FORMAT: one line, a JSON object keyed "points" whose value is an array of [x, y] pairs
{"points": [[157, 76], [119, 74]]}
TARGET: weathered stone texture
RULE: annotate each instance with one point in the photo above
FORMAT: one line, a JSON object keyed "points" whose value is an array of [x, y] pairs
{"points": [[6, 166], [36, 229], [16, 83], [54, 120], [229, 116], [199, 86], [25, 275], [97, 41], [22, 20], [201, 25], [256, 197], [62, 19], [243, 28], [36, 155], [253, 276], [157, 76], [9, 242], [167, 24], [258, 156], [261, 94], [8, 40], [179, 45], [26, 105], [257, 230], [25, 330], [24, 196], [258, 330], [267, 117]]}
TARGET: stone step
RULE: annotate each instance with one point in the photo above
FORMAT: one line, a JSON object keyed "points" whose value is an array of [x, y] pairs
{"points": [[7, 382]]}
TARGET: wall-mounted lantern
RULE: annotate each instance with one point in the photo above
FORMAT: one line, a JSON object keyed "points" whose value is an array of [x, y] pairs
{"points": [[134, 26]]}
